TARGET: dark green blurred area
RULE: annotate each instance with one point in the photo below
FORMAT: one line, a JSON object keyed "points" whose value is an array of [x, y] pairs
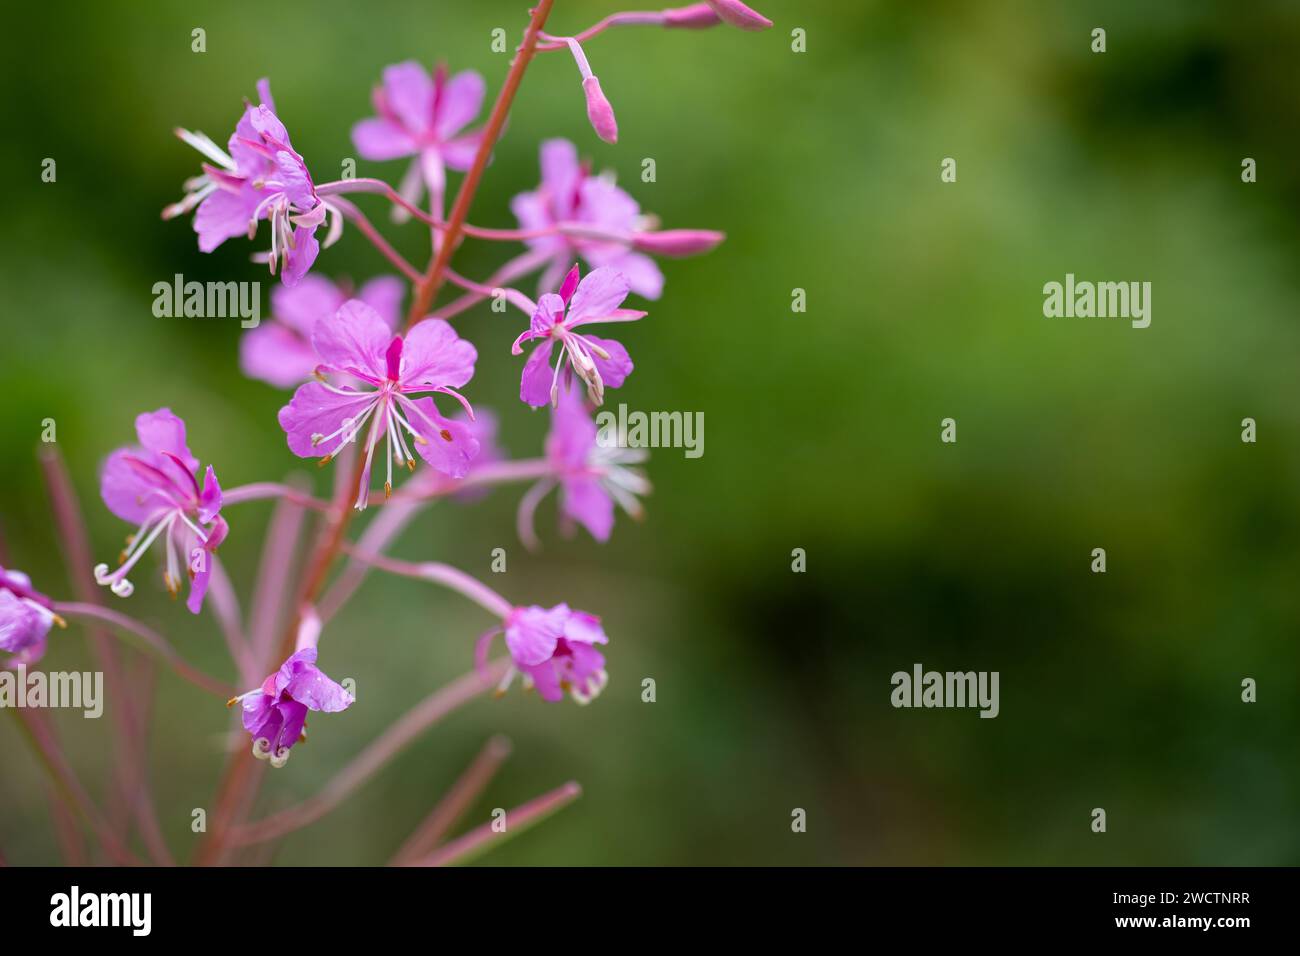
{"points": [[1119, 691]]}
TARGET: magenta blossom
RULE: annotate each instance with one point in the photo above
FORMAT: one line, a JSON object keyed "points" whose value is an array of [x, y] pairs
{"points": [[593, 473], [275, 714], [423, 117], [323, 417], [261, 177], [280, 353], [154, 485], [570, 194], [600, 363], [554, 649], [25, 619]]}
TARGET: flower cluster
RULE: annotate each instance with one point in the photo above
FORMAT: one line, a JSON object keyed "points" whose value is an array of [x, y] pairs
{"points": [[366, 382]]}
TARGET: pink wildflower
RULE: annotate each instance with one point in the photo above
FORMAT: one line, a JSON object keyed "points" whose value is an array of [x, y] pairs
{"points": [[425, 118], [25, 619], [154, 485], [600, 363], [554, 649], [592, 474], [279, 352], [322, 417], [275, 714], [261, 177]]}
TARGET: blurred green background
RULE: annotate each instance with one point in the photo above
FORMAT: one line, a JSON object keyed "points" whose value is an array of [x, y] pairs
{"points": [[924, 301]]}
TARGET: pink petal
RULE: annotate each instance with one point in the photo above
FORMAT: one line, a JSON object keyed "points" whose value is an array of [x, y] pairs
{"points": [[459, 152], [273, 354], [535, 382], [584, 500], [379, 139], [355, 337], [305, 304], [315, 410], [599, 294], [433, 354], [409, 90], [460, 102], [449, 445], [533, 632], [572, 437], [300, 258], [560, 174], [615, 369], [312, 688], [384, 295], [584, 628], [162, 431], [223, 215]]}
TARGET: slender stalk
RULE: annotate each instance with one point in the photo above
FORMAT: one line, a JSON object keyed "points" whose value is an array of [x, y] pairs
{"points": [[75, 544], [427, 289], [455, 802], [225, 607], [366, 764], [45, 745], [464, 584], [519, 266], [481, 839], [151, 638], [261, 490], [358, 218], [272, 578], [624, 19]]}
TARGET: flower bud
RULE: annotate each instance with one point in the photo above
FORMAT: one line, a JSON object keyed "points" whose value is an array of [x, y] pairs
{"points": [[698, 16], [739, 15], [676, 243], [599, 111]]}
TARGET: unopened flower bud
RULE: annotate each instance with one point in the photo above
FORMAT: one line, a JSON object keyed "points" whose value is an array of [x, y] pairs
{"points": [[599, 111], [698, 16], [739, 15], [676, 243]]}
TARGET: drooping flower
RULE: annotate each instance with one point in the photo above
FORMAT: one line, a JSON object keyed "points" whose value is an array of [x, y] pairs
{"points": [[275, 714], [323, 417], [261, 176], [154, 485], [600, 363], [569, 194], [592, 474], [25, 619], [554, 649], [279, 352], [423, 117]]}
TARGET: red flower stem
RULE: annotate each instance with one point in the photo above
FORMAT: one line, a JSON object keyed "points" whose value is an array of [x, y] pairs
{"points": [[481, 839], [455, 802], [427, 289]]}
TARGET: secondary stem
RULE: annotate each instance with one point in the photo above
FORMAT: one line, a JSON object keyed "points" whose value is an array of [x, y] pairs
{"points": [[426, 290]]}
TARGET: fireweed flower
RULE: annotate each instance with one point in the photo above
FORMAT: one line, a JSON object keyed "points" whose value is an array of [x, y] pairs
{"points": [[154, 485], [423, 117], [592, 475], [569, 193], [280, 353], [600, 363], [275, 714], [25, 619], [260, 177], [554, 650], [355, 341]]}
